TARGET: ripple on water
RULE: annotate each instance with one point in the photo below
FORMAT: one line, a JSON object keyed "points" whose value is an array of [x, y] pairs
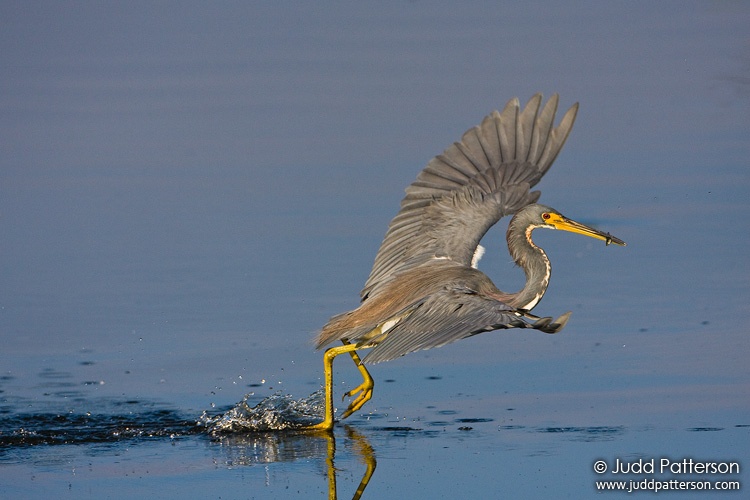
{"points": [[35, 429], [587, 434]]}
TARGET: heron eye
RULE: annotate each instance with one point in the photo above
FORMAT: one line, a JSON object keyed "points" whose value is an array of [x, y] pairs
{"points": [[545, 216]]}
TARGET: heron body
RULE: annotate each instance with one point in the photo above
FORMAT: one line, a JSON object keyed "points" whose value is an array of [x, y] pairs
{"points": [[424, 290]]}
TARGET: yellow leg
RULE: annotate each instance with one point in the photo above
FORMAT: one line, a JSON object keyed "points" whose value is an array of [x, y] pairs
{"points": [[364, 389], [328, 357]]}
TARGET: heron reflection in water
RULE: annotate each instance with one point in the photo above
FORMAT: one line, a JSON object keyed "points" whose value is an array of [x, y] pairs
{"points": [[264, 447], [424, 289]]}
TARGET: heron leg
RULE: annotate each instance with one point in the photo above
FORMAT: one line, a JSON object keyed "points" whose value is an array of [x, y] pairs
{"points": [[328, 357], [364, 389]]}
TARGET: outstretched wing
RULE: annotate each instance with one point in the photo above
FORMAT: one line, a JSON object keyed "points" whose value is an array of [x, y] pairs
{"points": [[447, 316], [461, 193]]}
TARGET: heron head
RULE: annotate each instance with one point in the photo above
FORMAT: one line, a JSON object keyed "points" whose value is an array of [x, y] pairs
{"points": [[543, 216]]}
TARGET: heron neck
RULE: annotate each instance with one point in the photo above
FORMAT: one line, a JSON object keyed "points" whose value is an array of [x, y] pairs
{"points": [[534, 263]]}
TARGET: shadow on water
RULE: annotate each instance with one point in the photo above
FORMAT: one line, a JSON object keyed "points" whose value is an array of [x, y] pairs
{"points": [[39, 429]]}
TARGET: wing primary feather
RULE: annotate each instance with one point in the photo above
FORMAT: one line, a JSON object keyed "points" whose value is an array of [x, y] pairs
{"points": [[506, 128], [488, 139], [472, 148], [524, 127], [557, 138], [543, 125]]}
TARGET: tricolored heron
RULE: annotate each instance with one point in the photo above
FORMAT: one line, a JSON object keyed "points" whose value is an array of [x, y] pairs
{"points": [[424, 289]]}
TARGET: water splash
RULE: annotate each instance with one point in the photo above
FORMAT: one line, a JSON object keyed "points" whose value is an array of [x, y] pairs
{"points": [[277, 412], [133, 421]]}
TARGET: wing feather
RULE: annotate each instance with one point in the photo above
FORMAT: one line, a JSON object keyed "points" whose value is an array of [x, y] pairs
{"points": [[462, 192], [525, 126], [447, 316], [542, 129], [557, 138], [506, 128], [489, 139]]}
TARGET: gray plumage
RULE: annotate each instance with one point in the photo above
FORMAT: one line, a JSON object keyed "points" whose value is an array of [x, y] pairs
{"points": [[463, 192], [422, 291]]}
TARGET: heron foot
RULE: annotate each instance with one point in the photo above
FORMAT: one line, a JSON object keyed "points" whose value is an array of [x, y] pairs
{"points": [[325, 425], [364, 389], [365, 394]]}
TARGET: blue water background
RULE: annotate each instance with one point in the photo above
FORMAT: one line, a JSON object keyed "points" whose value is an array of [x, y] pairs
{"points": [[189, 190]]}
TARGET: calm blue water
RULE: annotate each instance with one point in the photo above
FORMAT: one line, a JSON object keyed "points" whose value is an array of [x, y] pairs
{"points": [[188, 192]]}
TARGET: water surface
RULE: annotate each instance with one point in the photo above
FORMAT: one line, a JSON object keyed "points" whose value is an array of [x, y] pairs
{"points": [[187, 194]]}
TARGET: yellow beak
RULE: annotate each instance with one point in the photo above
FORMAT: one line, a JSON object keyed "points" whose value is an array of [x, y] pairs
{"points": [[565, 224]]}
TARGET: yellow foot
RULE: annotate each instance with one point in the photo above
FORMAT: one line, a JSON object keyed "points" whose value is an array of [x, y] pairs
{"points": [[364, 389], [365, 394], [325, 425]]}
